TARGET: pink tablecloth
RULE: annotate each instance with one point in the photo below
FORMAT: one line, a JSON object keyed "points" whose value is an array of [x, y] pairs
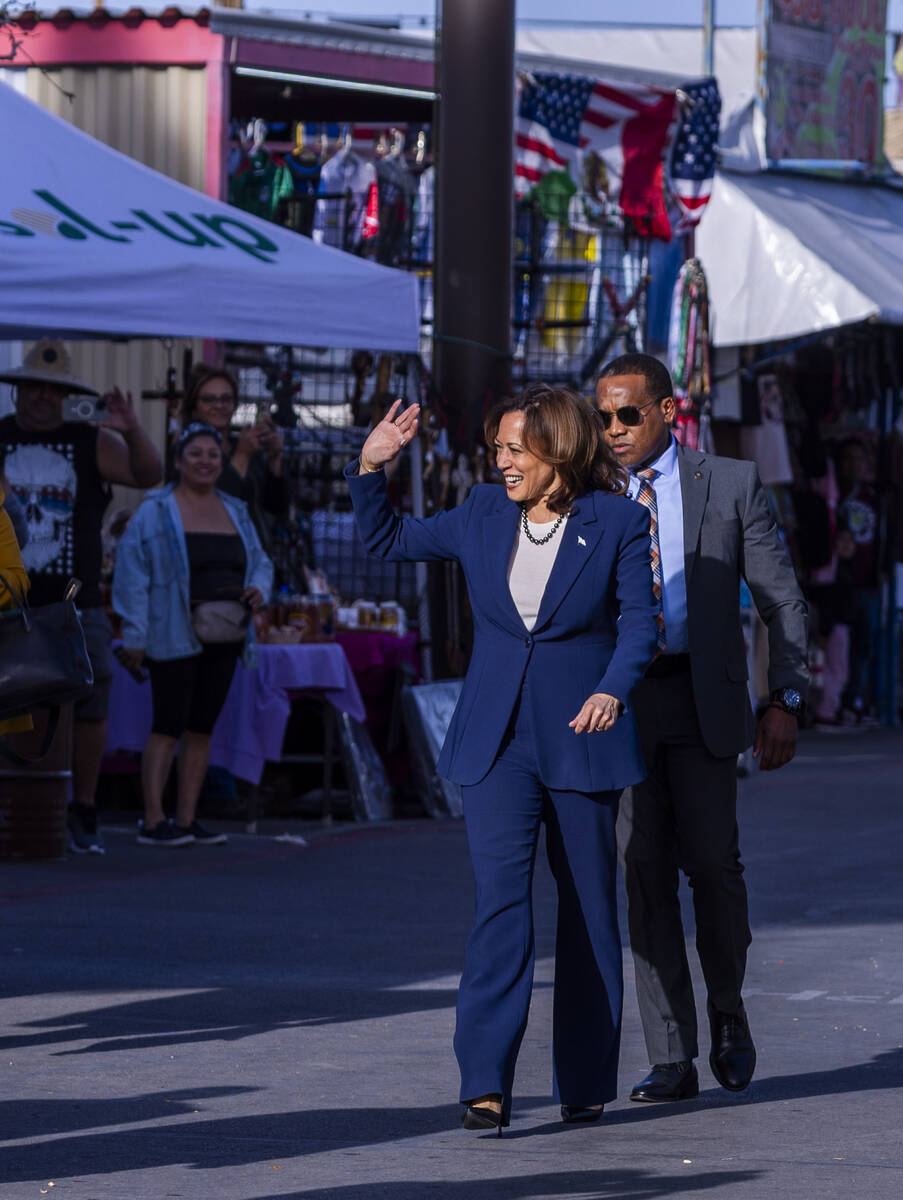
{"points": [[251, 726], [372, 648]]}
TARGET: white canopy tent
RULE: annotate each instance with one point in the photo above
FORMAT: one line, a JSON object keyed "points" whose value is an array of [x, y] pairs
{"points": [[788, 256], [94, 244]]}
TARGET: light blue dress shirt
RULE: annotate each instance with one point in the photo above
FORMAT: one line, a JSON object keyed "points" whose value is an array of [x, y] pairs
{"points": [[669, 505]]}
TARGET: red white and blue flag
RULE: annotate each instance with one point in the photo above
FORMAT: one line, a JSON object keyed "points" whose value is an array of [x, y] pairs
{"points": [[695, 152], [562, 117], [635, 129]]}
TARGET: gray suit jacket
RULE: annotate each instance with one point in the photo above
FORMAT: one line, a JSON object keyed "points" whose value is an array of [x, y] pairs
{"points": [[729, 533]]}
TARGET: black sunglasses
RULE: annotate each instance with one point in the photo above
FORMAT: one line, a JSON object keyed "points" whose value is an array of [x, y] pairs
{"points": [[630, 414]]}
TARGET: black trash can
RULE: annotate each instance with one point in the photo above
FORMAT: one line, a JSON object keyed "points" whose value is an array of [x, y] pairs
{"points": [[33, 798]]}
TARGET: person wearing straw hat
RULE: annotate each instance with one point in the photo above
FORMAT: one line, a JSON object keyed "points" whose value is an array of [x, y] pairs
{"points": [[61, 471]]}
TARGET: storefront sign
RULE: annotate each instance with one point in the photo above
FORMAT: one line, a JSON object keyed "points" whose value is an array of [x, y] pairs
{"points": [[821, 83]]}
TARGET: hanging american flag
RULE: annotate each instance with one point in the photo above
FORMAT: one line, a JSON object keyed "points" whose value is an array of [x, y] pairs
{"points": [[695, 152], [561, 118]]}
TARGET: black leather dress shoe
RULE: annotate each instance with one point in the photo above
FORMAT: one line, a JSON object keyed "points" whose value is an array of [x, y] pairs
{"points": [[668, 1082], [575, 1114], [733, 1055]]}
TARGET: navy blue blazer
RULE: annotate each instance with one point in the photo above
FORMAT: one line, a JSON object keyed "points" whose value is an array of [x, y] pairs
{"points": [[595, 632]]}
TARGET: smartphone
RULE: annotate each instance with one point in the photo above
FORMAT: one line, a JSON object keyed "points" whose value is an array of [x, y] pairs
{"points": [[139, 674], [84, 408]]}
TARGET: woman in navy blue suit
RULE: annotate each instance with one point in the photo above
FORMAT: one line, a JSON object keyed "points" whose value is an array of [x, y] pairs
{"points": [[557, 564]]}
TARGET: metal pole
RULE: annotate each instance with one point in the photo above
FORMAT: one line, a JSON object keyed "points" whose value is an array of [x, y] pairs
{"points": [[474, 211], [708, 37]]}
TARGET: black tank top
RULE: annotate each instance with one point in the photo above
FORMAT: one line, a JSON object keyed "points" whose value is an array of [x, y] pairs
{"points": [[54, 474], [216, 563]]}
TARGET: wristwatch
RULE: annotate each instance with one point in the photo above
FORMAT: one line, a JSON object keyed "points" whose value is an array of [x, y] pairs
{"points": [[789, 700]]}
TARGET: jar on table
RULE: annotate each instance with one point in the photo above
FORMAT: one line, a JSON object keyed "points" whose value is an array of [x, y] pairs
{"points": [[325, 617], [367, 614], [389, 616]]}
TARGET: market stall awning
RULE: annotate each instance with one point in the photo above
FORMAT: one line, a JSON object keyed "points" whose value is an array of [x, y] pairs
{"points": [[93, 243], [787, 256]]}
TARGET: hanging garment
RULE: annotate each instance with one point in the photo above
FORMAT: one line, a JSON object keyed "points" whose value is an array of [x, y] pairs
{"points": [[338, 222], [423, 241], [299, 199], [566, 295], [397, 187], [259, 183]]}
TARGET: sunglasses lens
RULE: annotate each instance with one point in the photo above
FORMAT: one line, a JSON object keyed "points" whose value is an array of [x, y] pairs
{"points": [[628, 415]]}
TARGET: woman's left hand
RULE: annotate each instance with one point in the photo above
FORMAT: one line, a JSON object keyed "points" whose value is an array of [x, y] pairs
{"points": [[253, 597], [269, 438], [598, 714]]}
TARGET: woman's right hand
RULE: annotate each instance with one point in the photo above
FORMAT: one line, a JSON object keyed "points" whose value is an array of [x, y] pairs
{"points": [[130, 659], [387, 440]]}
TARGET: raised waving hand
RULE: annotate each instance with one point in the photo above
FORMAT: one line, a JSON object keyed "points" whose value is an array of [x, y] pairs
{"points": [[386, 441]]}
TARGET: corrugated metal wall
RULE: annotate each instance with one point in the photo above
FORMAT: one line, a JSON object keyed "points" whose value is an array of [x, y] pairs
{"points": [[158, 116]]}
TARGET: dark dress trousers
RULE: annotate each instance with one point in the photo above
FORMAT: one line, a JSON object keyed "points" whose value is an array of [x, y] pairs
{"points": [[520, 765], [683, 816]]}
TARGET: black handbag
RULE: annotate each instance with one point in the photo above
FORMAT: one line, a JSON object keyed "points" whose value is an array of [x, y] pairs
{"points": [[44, 662]]}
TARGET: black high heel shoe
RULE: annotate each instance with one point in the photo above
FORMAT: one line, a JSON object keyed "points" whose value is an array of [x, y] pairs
{"points": [[574, 1114], [475, 1117]]}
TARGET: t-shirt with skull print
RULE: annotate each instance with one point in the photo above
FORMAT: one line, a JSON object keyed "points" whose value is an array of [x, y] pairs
{"points": [[54, 474]]}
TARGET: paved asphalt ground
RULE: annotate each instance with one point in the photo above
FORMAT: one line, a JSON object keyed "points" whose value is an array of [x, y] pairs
{"points": [[269, 1019]]}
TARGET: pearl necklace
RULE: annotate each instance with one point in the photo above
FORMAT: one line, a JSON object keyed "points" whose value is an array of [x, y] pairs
{"points": [[539, 541]]}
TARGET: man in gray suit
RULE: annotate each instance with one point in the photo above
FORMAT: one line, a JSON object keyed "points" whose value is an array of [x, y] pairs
{"points": [[711, 526]]}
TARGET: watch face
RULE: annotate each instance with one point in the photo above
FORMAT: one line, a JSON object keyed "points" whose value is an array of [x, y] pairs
{"points": [[792, 698]]}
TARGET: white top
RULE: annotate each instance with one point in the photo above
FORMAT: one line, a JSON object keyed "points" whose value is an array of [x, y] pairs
{"points": [[670, 510], [530, 568]]}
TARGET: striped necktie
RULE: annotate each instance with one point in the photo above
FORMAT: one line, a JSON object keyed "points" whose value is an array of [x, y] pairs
{"points": [[646, 497]]}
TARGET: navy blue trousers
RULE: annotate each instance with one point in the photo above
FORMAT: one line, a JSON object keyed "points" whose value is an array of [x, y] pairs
{"points": [[503, 814]]}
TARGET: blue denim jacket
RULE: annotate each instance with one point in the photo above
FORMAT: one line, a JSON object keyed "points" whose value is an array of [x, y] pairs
{"points": [[150, 582]]}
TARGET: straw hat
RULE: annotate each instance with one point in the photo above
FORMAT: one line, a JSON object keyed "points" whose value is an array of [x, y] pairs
{"points": [[48, 362]]}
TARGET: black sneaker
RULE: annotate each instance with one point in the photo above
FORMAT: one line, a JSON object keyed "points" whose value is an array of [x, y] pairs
{"points": [[164, 834], [81, 826], [203, 837]]}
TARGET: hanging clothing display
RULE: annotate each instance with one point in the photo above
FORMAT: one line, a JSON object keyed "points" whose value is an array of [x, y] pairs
{"points": [[689, 356], [298, 206], [258, 183], [347, 212], [397, 188]]}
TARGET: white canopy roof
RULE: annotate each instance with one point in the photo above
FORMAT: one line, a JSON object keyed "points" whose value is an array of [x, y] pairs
{"points": [[786, 256], [93, 244]]}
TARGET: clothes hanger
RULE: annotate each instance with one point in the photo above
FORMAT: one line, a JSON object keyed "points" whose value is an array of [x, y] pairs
{"points": [[397, 144], [258, 136]]}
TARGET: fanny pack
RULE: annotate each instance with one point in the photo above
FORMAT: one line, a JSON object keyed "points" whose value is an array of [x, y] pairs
{"points": [[220, 621]]}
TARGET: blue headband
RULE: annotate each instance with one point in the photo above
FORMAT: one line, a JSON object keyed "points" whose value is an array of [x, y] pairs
{"points": [[194, 430]]}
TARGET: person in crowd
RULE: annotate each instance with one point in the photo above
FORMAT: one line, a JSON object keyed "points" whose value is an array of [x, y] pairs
{"points": [[14, 510], [13, 588], [710, 527], [557, 568], [61, 471], [858, 511], [190, 570], [835, 608], [252, 456]]}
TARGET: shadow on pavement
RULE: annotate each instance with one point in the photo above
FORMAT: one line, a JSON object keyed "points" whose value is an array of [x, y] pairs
{"points": [[32, 1118], [883, 1072], [218, 1014], [588, 1185], [230, 1142], [210, 1143]]}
